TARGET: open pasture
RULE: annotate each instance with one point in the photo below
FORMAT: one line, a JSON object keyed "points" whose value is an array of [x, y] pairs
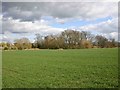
{"points": [[72, 68]]}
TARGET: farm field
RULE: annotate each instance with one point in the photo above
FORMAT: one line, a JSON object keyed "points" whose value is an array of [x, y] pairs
{"points": [[73, 68]]}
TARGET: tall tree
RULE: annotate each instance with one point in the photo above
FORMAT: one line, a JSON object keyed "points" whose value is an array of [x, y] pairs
{"points": [[71, 38], [38, 41], [101, 41]]}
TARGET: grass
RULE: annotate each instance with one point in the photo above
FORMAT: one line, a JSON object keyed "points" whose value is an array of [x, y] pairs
{"points": [[78, 68]]}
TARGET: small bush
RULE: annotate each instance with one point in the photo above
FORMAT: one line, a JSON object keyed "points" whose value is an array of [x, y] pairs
{"points": [[6, 48], [86, 44]]}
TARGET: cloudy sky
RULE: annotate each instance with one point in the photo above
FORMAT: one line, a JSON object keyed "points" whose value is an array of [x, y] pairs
{"points": [[25, 19]]}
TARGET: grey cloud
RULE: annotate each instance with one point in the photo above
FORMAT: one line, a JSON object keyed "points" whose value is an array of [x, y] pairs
{"points": [[0, 20], [30, 11]]}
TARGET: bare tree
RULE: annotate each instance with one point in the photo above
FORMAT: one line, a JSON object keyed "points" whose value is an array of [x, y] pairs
{"points": [[22, 43], [101, 41]]}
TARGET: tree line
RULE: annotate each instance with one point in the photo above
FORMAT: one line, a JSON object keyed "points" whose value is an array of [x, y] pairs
{"points": [[68, 39]]}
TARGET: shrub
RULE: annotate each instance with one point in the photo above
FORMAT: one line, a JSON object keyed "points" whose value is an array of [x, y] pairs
{"points": [[6, 48], [86, 44]]}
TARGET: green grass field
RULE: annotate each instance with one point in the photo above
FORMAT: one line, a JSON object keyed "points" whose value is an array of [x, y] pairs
{"points": [[81, 68]]}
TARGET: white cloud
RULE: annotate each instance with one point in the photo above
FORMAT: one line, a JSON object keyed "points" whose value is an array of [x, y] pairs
{"points": [[17, 26], [107, 28], [26, 28], [114, 35]]}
